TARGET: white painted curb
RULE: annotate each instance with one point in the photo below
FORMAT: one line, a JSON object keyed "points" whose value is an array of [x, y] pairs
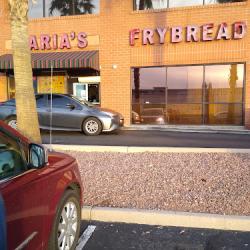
{"points": [[165, 218], [127, 149]]}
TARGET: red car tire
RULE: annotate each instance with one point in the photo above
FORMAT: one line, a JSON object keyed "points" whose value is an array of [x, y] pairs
{"points": [[67, 222]]}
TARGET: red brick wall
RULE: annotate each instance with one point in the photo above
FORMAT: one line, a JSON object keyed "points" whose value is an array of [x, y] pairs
{"points": [[112, 25]]}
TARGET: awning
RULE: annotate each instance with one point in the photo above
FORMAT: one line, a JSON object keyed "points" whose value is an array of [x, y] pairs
{"points": [[76, 59]]}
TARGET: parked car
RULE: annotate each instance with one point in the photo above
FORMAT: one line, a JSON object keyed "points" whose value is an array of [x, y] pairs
{"points": [[3, 239], [153, 116], [135, 117], [68, 113], [42, 192]]}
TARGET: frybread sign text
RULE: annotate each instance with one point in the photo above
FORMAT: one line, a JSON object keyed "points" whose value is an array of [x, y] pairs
{"points": [[190, 33]]}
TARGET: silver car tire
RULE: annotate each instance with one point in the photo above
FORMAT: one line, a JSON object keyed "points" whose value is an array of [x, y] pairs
{"points": [[66, 227], [12, 122], [92, 126]]}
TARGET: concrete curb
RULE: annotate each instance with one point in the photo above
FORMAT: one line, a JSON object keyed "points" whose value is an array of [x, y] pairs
{"points": [[165, 218], [128, 149], [190, 129]]}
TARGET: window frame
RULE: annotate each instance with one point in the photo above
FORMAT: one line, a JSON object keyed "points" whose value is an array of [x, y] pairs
{"points": [[46, 15], [184, 6]]}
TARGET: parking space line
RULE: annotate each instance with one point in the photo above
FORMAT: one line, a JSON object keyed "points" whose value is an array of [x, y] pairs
{"points": [[85, 237]]}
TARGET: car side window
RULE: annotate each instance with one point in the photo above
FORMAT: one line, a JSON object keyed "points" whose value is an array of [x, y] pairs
{"points": [[40, 101], [59, 101], [11, 102], [11, 157]]}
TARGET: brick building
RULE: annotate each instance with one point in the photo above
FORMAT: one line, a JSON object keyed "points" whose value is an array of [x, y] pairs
{"points": [[168, 64]]}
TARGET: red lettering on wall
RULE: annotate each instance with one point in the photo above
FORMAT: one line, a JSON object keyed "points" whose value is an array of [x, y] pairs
{"points": [[223, 32], [45, 42], [239, 29], [192, 33], [33, 43], [207, 32], [148, 36], [55, 41], [65, 42], [176, 34], [162, 34], [133, 34], [82, 41]]}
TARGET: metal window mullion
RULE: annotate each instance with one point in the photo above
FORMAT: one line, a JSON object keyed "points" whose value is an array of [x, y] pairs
{"points": [[243, 94], [44, 14], [166, 89], [203, 96]]}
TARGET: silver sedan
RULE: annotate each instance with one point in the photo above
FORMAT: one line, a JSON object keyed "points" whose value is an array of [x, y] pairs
{"points": [[66, 112]]}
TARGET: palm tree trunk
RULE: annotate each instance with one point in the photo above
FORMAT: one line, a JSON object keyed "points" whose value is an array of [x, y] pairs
{"points": [[27, 119]]}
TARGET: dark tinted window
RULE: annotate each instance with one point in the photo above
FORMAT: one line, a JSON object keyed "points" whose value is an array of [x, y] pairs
{"points": [[61, 101], [40, 101], [11, 102], [11, 160], [58, 101]]}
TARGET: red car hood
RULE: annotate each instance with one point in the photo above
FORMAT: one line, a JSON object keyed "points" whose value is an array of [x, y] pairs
{"points": [[57, 159]]}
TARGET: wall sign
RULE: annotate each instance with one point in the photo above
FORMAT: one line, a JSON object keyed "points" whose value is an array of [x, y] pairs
{"points": [[190, 33], [48, 42]]}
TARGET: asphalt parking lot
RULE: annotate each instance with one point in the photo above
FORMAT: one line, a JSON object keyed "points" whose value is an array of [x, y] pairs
{"points": [[151, 139], [117, 236]]}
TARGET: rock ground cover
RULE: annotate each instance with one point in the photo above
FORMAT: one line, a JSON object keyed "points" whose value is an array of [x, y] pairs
{"points": [[192, 182]]}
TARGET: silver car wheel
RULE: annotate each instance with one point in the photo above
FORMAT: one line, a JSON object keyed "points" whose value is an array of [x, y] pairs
{"points": [[91, 126], [12, 123], [67, 226]]}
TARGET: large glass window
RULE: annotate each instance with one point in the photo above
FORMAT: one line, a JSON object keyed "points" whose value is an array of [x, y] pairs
{"points": [[184, 94], [223, 94], [149, 94], [222, 1], [224, 83], [161, 4], [35, 9], [150, 4], [45, 8], [210, 94], [180, 3]]}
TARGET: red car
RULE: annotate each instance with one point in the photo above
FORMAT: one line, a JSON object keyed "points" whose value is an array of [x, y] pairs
{"points": [[42, 192]]}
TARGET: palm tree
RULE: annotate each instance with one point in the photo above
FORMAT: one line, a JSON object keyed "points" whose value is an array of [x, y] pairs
{"points": [[145, 4], [71, 7], [27, 119]]}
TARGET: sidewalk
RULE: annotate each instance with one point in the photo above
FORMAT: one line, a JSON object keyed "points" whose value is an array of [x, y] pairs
{"points": [[130, 149], [191, 129]]}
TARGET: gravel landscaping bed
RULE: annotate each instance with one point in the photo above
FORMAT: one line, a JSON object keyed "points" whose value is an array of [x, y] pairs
{"points": [[207, 182]]}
